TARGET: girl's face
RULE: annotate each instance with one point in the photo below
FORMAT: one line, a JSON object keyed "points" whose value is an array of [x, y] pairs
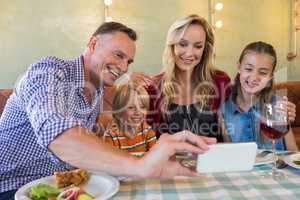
{"points": [[188, 51], [135, 112], [255, 72]]}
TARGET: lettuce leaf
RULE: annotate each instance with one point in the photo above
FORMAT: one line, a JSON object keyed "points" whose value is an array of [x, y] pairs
{"points": [[43, 191]]}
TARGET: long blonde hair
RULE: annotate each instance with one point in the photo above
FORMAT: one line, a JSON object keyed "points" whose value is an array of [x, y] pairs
{"points": [[203, 71]]}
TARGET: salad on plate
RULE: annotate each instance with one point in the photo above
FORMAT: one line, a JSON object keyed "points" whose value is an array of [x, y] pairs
{"points": [[43, 191]]}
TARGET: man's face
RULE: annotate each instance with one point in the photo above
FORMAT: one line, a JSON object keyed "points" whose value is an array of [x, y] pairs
{"points": [[111, 55]]}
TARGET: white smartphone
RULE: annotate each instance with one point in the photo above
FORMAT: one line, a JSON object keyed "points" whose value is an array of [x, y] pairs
{"points": [[227, 157]]}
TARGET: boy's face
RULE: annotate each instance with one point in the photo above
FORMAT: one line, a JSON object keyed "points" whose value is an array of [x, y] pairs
{"points": [[135, 112]]}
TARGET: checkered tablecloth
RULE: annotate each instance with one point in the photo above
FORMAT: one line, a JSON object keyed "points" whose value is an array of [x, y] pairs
{"points": [[244, 185]]}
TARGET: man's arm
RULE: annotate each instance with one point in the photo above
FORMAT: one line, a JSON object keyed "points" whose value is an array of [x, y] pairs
{"points": [[81, 149]]}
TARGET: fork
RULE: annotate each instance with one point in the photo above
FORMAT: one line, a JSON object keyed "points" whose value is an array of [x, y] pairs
{"points": [[264, 153], [280, 163]]}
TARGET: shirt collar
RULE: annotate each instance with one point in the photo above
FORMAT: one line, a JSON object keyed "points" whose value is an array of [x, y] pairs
{"points": [[79, 74], [234, 109], [78, 71], [115, 128]]}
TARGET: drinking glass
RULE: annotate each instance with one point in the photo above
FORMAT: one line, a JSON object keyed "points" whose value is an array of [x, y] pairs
{"points": [[274, 125]]}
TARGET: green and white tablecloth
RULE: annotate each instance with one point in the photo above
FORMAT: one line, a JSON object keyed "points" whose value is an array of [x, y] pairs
{"points": [[243, 185]]}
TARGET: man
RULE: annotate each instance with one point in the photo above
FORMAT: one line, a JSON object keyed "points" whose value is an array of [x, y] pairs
{"points": [[48, 121]]}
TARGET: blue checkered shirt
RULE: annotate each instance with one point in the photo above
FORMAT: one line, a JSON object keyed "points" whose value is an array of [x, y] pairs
{"points": [[47, 101]]}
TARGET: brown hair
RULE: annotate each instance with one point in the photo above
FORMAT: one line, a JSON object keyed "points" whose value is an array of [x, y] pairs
{"points": [[265, 95], [112, 27], [261, 48]]}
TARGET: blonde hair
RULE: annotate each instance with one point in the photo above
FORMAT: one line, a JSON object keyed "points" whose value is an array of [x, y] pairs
{"points": [[123, 96], [203, 71]]}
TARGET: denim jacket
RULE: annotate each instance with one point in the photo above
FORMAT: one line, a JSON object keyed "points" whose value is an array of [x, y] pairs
{"points": [[244, 126]]}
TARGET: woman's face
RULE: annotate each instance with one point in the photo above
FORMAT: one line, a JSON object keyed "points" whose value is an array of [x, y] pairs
{"points": [[255, 72], [188, 51]]}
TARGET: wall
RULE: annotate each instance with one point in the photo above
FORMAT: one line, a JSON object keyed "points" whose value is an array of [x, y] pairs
{"points": [[248, 21], [294, 69], [31, 30]]}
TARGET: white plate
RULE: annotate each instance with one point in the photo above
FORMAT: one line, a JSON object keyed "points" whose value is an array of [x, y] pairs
{"points": [[267, 159], [290, 158], [101, 187]]}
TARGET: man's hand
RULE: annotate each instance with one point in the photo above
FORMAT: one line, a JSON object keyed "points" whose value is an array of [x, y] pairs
{"points": [[159, 162]]}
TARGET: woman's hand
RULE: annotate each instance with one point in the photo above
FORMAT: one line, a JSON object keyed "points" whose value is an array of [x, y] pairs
{"points": [[159, 162], [141, 78]]}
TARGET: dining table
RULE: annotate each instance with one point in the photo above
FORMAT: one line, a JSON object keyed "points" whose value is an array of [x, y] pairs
{"points": [[254, 184]]}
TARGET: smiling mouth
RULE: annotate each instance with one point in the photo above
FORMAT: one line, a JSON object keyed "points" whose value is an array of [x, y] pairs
{"points": [[114, 72], [136, 119], [251, 85], [187, 61]]}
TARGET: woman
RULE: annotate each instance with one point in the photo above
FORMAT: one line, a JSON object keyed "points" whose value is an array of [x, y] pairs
{"points": [[187, 95]]}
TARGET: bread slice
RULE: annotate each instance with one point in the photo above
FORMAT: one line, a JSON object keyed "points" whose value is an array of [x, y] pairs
{"points": [[75, 177]]}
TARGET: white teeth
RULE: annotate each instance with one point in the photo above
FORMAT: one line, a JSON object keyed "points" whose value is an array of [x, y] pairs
{"points": [[251, 85], [135, 117], [114, 73], [187, 60]]}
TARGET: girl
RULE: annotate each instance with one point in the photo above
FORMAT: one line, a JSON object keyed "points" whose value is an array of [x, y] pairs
{"points": [[251, 90], [129, 130]]}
